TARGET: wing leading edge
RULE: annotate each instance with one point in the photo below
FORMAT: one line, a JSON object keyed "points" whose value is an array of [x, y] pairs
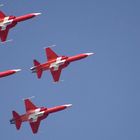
{"points": [[56, 74], [2, 15], [35, 126], [50, 54], [3, 35], [29, 105]]}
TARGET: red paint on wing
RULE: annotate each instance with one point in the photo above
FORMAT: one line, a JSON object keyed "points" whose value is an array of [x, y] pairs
{"points": [[56, 74], [50, 54], [4, 34], [29, 105], [35, 126], [2, 15]]}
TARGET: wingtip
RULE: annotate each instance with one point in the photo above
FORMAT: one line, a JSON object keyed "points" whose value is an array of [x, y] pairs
{"points": [[28, 98], [51, 46], [6, 41]]}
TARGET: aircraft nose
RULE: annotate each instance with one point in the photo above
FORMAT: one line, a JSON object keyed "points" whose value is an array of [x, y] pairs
{"points": [[17, 70], [36, 14], [68, 105], [88, 54]]}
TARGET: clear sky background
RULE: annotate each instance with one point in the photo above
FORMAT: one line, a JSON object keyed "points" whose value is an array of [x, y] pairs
{"points": [[104, 89]]}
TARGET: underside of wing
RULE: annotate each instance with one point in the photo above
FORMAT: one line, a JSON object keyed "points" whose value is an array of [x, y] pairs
{"points": [[35, 126], [29, 105], [50, 54], [4, 34], [56, 74], [2, 15]]}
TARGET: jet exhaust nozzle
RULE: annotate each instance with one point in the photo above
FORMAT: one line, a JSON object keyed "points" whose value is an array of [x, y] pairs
{"points": [[12, 121]]}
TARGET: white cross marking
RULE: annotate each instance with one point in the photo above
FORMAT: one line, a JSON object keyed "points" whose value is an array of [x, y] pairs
{"points": [[58, 63], [34, 116], [5, 23]]}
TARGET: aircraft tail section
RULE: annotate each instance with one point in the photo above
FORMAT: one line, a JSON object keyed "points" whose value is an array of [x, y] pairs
{"points": [[16, 120], [36, 63], [39, 73], [38, 70]]}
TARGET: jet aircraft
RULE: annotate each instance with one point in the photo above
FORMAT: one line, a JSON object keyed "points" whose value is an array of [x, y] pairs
{"points": [[55, 63], [34, 115], [9, 72], [8, 22]]}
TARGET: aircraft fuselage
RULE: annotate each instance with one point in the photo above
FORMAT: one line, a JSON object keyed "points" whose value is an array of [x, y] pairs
{"points": [[39, 113], [52, 64], [11, 21], [60, 62]]}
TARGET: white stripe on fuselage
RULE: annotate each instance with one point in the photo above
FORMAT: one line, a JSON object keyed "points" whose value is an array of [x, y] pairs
{"points": [[34, 116], [57, 63], [5, 23]]}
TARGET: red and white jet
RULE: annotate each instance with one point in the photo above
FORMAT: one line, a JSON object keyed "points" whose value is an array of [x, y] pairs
{"points": [[55, 63], [9, 72], [8, 22], [34, 115]]}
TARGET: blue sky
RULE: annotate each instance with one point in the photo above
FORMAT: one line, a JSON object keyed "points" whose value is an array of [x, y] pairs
{"points": [[104, 88]]}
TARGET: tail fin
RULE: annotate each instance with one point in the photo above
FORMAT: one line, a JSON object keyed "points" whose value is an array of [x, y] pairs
{"points": [[36, 63], [17, 119], [39, 72]]}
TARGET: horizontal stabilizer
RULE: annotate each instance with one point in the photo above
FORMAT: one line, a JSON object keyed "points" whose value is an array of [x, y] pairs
{"points": [[17, 119], [36, 63], [39, 72]]}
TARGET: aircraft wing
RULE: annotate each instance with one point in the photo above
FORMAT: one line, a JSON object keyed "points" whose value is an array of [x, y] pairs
{"points": [[50, 54], [56, 74], [2, 15], [29, 105], [4, 34], [35, 126]]}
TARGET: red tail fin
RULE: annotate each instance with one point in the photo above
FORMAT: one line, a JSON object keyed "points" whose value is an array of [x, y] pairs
{"points": [[36, 63], [38, 71], [17, 119]]}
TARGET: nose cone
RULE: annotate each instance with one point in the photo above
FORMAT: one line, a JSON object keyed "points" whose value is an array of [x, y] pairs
{"points": [[17, 70], [88, 54], [26, 17], [68, 105], [37, 14]]}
